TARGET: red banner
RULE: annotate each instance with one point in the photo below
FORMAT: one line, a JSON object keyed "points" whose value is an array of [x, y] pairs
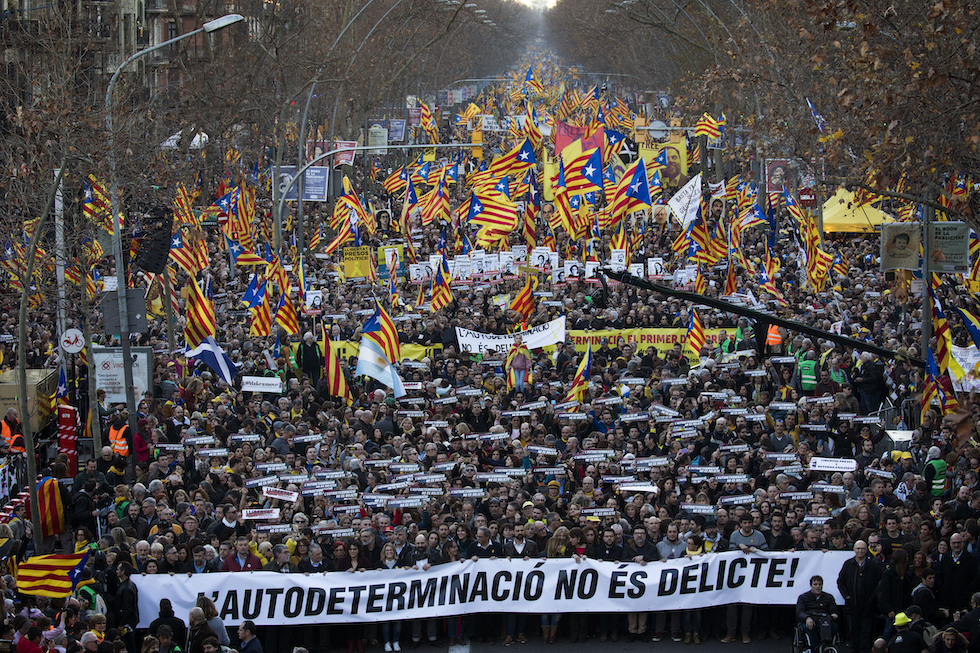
{"points": [[566, 134], [68, 436]]}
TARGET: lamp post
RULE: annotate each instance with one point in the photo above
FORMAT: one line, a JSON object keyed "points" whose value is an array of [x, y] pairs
{"points": [[117, 219]]}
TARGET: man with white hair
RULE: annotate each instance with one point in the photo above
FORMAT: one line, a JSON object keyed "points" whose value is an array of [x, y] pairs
{"points": [[936, 473], [90, 641], [309, 358]]}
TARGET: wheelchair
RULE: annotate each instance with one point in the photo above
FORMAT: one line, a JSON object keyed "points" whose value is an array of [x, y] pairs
{"points": [[830, 641]]}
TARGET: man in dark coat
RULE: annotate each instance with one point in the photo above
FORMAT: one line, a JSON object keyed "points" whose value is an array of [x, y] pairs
{"points": [[970, 623], [957, 575], [199, 631], [127, 605], [83, 510], [309, 358], [168, 618], [924, 598], [858, 582]]}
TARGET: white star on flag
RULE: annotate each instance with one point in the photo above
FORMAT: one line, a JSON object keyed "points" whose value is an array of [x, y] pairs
{"points": [[589, 171]]}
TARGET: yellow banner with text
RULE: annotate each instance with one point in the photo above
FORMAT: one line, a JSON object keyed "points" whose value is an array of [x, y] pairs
{"points": [[663, 339]]}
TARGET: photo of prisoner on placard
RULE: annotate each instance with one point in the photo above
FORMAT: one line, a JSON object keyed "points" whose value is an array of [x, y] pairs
{"points": [[779, 175], [675, 174], [900, 246]]}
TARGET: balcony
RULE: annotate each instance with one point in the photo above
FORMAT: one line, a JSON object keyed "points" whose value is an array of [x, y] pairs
{"points": [[162, 57]]}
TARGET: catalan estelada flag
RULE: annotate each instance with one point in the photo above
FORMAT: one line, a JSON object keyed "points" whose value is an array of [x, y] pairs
{"points": [[52, 511], [695, 333], [381, 329], [580, 382], [54, 576]]}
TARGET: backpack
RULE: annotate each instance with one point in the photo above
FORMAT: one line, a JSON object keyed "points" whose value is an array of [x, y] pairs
{"points": [[929, 634]]}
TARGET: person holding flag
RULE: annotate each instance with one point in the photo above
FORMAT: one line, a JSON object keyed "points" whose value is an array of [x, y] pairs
{"points": [[518, 364]]}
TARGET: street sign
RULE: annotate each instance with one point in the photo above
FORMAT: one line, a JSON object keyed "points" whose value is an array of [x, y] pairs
{"points": [[110, 376], [72, 341], [658, 129], [136, 303]]}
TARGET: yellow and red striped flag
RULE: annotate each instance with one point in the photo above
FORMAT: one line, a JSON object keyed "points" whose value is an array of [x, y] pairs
{"points": [[52, 510], [695, 333], [428, 124], [442, 293], [707, 126], [436, 204], [200, 316], [384, 333], [580, 382], [286, 314], [524, 301], [261, 324], [54, 576], [335, 380]]}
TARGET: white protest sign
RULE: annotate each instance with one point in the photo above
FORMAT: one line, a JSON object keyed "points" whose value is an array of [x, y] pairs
{"points": [[832, 464], [271, 384], [496, 586], [685, 202], [276, 493], [256, 514], [550, 333]]}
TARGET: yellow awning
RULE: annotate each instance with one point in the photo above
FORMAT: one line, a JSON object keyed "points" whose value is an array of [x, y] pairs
{"points": [[842, 215]]}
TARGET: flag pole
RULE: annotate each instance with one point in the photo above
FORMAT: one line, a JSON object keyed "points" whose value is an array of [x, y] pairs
{"points": [[168, 309]]}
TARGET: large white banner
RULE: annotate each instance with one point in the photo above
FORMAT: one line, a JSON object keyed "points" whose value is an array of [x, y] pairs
{"points": [[550, 333], [686, 201], [499, 585]]}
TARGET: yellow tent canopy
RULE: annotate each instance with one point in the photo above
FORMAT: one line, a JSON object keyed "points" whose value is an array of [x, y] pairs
{"points": [[842, 215]]}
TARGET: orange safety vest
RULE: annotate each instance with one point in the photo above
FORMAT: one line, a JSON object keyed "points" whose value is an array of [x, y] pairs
{"points": [[15, 441], [772, 335], [117, 438]]}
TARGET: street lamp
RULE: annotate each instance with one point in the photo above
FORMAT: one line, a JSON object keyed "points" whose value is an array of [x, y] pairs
{"points": [[117, 219]]}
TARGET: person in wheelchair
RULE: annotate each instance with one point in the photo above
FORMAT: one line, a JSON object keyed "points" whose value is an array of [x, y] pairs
{"points": [[816, 614]]}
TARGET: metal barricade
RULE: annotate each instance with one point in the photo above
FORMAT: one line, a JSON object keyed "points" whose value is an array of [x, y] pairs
{"points": [[889, 416]]}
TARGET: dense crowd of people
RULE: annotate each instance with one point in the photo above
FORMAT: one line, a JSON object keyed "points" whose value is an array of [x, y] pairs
{"points": [[754, 406]]}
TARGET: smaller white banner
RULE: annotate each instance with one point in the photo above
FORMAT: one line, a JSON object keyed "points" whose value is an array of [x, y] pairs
{"points": [[262, 384]]}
